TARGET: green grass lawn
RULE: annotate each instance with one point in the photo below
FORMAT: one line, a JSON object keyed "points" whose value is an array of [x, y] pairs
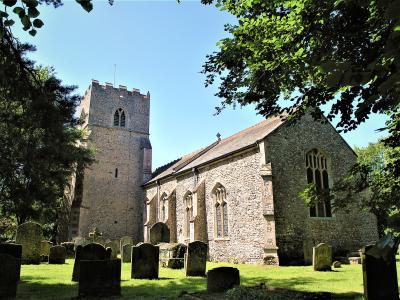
{"points": [[54, 281]]}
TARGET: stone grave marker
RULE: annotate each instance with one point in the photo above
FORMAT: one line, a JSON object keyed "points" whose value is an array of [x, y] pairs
{"points": [[114, 248], [379, 275], [196, 258], [90, 251], [123, 241], [15, 250], [322, 257], [145, 261], [69, 247], [100, 278], [222, 279], [126, 253], [45, 249], [57, 255], [159, 233], [9, 275], [172, 255], [29, 235]]}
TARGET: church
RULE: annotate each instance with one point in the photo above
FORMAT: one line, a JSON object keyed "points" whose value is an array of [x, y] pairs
{"points": [[238, 194]]}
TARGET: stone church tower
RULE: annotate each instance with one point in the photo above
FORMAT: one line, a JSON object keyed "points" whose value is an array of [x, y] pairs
{"points": [[108, 195]]}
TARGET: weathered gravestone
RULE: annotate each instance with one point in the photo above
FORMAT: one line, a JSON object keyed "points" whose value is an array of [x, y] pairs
{"points": [[45, 249], [114, 248], [57, 255], [69, 247], [9, 275], [172, 255], [196, 258], [29, 235], [222, 279], [88, 252], [123, 241], [100, 278], [145, 261], [159, 233], [15, 250], [379, 275], [322, 257], [126, 253]]}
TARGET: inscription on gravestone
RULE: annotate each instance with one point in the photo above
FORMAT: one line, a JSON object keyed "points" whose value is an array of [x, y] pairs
{"points": [[100, 278], [29, 235], [145, 262], [196, 258], [322, 257]]}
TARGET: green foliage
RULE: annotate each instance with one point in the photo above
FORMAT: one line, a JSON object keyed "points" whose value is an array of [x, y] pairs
{"points": [[27, 11], [296, 54], [373, 184], [39, 137]]}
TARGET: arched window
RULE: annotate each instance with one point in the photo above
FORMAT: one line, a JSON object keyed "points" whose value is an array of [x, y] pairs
{"points": [[119, 118], [188, 212], [221, 211], [317, 173]]}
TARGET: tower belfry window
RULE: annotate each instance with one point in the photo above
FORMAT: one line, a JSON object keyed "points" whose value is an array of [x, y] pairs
{"points": [[119, 118]]}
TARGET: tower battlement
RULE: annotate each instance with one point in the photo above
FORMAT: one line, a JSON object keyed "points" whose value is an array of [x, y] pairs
{"points": [[121, 89]]}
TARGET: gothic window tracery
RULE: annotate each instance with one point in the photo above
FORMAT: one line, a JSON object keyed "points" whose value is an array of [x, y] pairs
{"points": [[119, 118], [317, 173], [221, 212]]}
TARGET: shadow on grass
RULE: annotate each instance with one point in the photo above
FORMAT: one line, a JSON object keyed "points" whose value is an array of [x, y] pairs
{"points": [[165, 288]]}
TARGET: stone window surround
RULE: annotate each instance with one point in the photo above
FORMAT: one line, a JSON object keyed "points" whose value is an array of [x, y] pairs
{"points": [[330, 180], [188, 202], [220, 201], [163, 205], [119, 109]]}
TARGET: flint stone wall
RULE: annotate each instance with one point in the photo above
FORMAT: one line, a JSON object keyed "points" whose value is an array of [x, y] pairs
{"points": [[255, 231], [104, 196], [286, 149]]}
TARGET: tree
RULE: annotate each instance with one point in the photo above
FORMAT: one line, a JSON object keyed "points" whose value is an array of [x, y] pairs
{"points": [[340, 58], [39, 137], [296, 54], [372, 184]]}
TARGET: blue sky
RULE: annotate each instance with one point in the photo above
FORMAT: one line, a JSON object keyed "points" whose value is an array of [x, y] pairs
{"points": [[158, 46]]}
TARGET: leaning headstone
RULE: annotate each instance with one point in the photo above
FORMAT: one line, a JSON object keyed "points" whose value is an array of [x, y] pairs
{"points": [[29, 235], [379, 275], [159, 233], [196, 258], [222, 279], [100, 278], [45, 249], [69, 247], [123, 241], [126, 253], [15, 250], [145, 261], [88, 252], [9, 275], [322, 257], [114, 248], [57, 255], [172, 255]]}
